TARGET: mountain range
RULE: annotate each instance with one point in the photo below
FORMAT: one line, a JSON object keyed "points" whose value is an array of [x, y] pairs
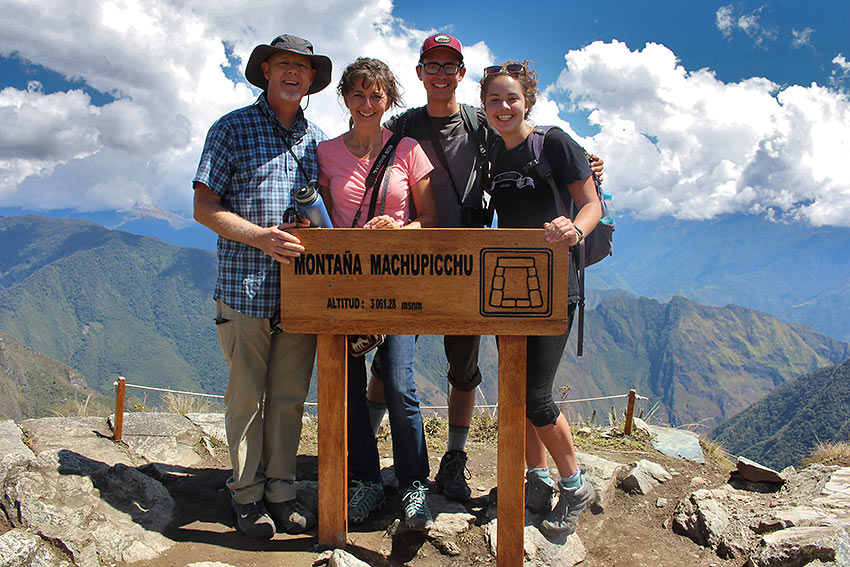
{"points": [[787, 423], [109, 303], [794, 271], [34, 385]]}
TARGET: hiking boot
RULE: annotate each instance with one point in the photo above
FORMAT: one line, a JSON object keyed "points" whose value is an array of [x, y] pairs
{"points": [[538, 493], [291, 516], [366, 498], [571, 501], [452, 476], [417, 515], [252, 519]]}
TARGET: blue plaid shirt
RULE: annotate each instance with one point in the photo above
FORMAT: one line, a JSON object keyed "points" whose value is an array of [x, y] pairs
{"points": [[247, 164]]}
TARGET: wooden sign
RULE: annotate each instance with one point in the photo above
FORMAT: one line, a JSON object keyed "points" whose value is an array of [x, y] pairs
{"points": [[426, 281]]}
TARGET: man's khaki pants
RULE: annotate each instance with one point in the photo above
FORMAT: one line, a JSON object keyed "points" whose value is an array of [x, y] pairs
{"points": [[263, 437]]}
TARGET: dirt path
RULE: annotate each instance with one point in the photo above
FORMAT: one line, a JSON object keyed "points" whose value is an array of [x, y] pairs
{"points": [[633, 531]]}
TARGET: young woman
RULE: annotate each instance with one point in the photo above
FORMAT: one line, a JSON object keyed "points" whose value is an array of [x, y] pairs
{"points": [[524, 200], [368, 88]]}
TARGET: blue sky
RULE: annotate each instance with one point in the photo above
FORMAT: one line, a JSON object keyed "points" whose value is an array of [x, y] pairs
{"points": [[699, 108]]}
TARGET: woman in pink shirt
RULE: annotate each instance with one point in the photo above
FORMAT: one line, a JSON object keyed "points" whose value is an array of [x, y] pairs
{"points": [[368, 89]]}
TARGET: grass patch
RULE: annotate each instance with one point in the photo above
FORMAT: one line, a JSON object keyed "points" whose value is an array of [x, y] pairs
{"points": [[716, 453], [612, 439], [183, 404], [483, 428], [829, 454], [80, 408], [467, 538]]}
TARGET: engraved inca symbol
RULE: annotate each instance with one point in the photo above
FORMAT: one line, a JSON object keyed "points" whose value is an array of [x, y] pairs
{"points": [[524, 289]]}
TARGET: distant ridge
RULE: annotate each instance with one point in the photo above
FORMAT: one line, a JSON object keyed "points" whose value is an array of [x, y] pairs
{"points": [[790, 421], [109, 303], [35, 385]]}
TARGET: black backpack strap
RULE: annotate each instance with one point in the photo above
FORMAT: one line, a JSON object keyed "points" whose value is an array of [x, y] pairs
{"points": [[376, 174], [473, 125], [541, 166]]}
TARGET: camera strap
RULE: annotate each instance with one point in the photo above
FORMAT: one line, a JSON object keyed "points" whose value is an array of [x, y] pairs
{"points": [[376, 175], [295, 157]]}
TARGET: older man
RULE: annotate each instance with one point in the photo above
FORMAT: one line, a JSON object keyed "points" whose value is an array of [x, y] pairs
{"points": [[253, 158]]}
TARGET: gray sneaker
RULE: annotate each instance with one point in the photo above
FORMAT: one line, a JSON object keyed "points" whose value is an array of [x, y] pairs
{"points": [[253, 520], [366, 498], [571, 501], [291, 516], [538, 493], [417, 515]]}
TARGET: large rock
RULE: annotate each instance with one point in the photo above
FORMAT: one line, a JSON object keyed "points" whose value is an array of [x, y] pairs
{"points": [[11, 442], [801, 546], [114, 516], [20, 548], [755, 472], [701, 518], [541, 551], [644, 477], [89, 436], [211, 424], [162, 437], [92, 503], [340, 558], [677, 443]]}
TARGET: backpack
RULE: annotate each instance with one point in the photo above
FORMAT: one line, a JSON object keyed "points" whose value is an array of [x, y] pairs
{"points": [[597, 245]]}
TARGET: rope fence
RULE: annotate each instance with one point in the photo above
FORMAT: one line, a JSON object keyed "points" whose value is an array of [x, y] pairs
{"points": [[121, 385]]}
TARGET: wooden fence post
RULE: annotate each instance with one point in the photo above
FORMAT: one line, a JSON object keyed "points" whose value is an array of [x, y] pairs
{"points": [[630, 412], [118, 425]]}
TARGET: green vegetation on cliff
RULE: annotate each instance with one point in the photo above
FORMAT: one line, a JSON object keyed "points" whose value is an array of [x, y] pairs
{"points": [[793, 419]]}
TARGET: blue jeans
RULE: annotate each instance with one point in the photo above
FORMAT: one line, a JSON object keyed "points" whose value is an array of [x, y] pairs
{"points": [[409, 452]]}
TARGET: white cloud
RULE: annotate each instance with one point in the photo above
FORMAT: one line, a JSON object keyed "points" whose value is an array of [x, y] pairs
{"points": [[163, 62], [841, 74], [675, 142], [686, 144], [728, 19], [724, 20], [800, 38]]}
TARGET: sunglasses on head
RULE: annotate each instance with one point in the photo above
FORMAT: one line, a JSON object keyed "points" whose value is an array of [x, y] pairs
{"points": [[432, 68], [511, 68]]}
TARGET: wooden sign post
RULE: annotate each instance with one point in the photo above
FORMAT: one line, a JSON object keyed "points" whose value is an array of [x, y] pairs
{"points": [[505, 282]]}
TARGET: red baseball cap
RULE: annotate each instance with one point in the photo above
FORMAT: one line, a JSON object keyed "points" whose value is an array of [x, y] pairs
{"points": [[441, 40]]}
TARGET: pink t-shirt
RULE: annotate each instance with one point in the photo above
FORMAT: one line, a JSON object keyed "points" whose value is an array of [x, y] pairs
{"points": [[345, 174]]}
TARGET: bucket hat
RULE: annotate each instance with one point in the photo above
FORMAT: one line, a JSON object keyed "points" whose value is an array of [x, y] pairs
{"points": [[285, 42]]}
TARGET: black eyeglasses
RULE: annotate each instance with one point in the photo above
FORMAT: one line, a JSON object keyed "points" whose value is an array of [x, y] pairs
{"points": [[511, 68], [432, 68]]}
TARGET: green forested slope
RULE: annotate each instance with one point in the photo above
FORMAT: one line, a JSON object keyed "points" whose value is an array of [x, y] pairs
{"points": [[790, 421]]}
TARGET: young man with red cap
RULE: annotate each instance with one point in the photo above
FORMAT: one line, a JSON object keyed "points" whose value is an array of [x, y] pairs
{"points": [[456, 138], [253, 159]]}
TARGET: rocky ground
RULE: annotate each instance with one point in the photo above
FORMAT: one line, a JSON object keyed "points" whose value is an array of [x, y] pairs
{"points": [[69, 496]]}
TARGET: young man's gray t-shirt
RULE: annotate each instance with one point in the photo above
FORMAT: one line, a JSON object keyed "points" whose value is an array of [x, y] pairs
{"points": [[460, 150]]}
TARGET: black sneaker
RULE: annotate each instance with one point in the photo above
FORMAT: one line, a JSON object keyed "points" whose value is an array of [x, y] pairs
{"points": [[538, 493], [571, 501], [417, 514], [253, 520], [452, 476], [291, 516]]}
